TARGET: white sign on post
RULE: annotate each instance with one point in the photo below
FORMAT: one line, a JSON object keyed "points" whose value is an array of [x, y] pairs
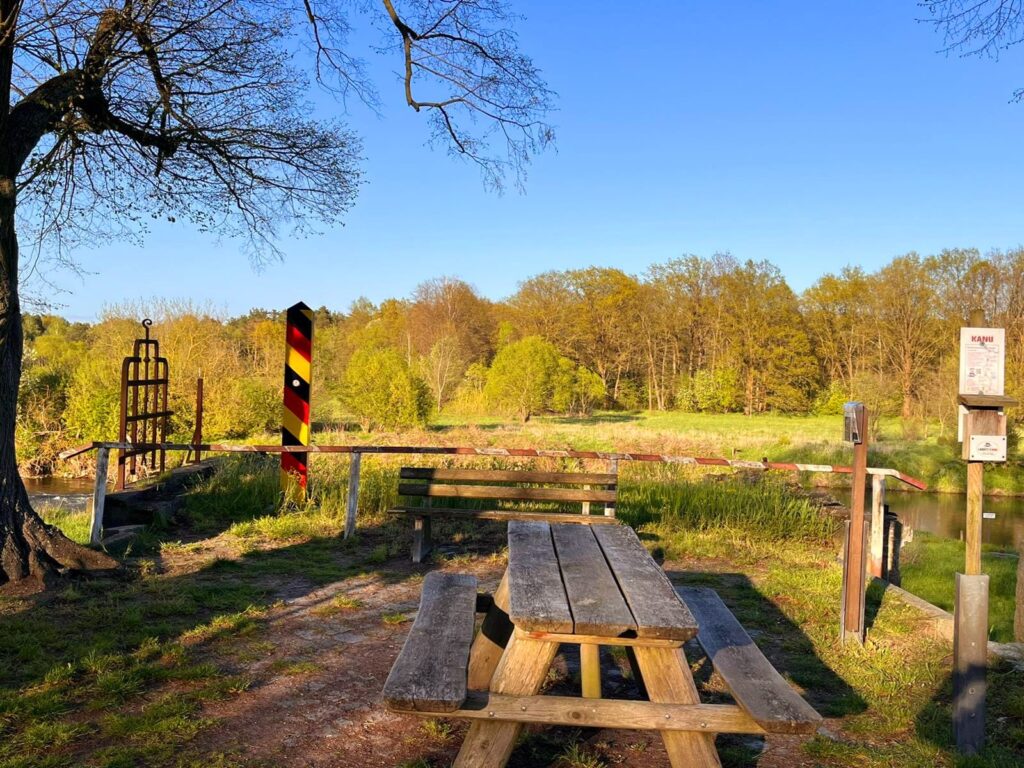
{"points": [[982, 361]]}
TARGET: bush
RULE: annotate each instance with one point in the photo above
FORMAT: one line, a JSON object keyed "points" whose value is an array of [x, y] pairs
{"points": [[383, 393], [576, 389], [522, 377]]}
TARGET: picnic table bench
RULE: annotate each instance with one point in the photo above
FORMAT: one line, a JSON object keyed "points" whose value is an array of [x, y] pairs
{"points": [[492, 485], [586, 586]]}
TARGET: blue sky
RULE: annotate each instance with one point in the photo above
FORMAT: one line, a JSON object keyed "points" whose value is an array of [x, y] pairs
{"points": [[810, 134]]}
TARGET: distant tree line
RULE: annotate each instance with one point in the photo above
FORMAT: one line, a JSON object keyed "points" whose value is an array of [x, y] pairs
{"points": [[697, 334]]}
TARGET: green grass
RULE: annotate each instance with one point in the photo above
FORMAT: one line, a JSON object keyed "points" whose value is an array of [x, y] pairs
{"points": [[928, 565], [120, 673], [75, 525]]}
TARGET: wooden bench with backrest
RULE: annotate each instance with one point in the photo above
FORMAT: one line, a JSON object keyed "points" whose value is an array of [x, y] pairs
{"points": [[435, 671], [505, 486]]}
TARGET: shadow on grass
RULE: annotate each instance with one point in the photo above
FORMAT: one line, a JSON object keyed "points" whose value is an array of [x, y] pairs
{"points": [[1004, 736]]}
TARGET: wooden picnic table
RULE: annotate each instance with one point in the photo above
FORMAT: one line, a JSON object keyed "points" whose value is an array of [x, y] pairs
{"points": [[587, 586]]}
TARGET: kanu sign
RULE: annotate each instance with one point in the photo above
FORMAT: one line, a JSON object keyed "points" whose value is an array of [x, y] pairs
{"points": [[982, 361]]}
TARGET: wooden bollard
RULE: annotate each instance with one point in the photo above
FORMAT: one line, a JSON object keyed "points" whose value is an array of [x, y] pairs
{"points": [[970, 658]]}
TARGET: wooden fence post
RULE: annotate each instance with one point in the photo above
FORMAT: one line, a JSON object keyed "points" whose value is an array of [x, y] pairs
{"points": [[857, 424], [99, 495], [895, 547], [613, 468], [353, 493], [877, 525], [1018, 619]]}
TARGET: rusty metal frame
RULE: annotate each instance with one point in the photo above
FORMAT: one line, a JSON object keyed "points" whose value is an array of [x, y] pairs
{"points": [[144, 411]]}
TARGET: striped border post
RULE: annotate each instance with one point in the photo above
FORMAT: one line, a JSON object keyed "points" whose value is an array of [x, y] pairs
{"points": [[298, 364]]}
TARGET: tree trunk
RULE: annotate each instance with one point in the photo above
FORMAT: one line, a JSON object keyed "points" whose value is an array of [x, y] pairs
{"points": [[28, 547]]}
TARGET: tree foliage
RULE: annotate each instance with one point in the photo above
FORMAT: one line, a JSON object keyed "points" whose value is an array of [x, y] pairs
{"points": [[383, 393]]}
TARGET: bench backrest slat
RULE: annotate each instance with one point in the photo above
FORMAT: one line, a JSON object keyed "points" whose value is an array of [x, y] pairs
{"points": [[508, 476], [504, 492]]}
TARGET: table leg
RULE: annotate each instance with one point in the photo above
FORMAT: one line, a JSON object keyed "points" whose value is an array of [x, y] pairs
{"points": [[590, 670], [666, 675], [521, 670], [638, 677], [491, 641]]}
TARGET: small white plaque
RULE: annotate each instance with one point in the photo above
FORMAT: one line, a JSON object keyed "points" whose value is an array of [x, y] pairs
{"points": [[982, 361], [987, 448], [989, 515]]}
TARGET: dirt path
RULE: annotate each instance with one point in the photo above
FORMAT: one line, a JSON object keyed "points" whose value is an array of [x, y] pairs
{"points": [[325, 655]]}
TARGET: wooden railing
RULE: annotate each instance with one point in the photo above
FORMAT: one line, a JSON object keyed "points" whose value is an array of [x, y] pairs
{"points": [[879, 475]]}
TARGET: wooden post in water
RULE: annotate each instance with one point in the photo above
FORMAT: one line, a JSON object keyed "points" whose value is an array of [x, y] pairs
{"points": [[878, 526], [99, 496], [353, 493], [854, 571]]}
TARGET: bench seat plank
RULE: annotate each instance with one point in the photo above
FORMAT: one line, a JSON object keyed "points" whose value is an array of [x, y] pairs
{"points": [[504, 492], [507, 476], [506, 514], [655, 606], [755, 684], [595, 601], [430, 672], [537, 599]]}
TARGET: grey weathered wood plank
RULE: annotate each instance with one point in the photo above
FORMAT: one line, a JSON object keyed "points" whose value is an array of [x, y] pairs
{"points": [[506, 515], [430, 672], [595, 601], [755, 684], [507, 492], [651, 598], [508, 476], [537, 599]]}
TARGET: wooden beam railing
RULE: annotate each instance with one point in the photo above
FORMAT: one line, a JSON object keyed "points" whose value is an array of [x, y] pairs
{"points": [[356, 451]]}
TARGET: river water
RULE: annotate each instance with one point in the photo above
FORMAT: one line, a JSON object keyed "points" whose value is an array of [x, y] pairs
{"points": [[69, 494], [943, 514]]}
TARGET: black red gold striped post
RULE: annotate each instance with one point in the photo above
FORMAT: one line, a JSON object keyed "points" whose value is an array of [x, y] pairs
{"points": [[298, 364]]}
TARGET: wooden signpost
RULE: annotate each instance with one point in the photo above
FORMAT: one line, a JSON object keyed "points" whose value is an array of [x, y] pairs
{"points": [[855, 430], [983, 431]]}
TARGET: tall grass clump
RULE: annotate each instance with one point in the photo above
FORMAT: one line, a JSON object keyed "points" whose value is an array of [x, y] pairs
{"points": [[241, 488], [765, 507]]}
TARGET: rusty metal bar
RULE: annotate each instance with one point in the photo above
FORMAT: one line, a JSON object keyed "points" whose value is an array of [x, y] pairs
{"points": [[145, 376]]}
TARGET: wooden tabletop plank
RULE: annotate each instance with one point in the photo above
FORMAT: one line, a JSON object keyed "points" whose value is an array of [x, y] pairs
{"points": [[537, 599], [755, 684], [653, 601], [595, 601]]}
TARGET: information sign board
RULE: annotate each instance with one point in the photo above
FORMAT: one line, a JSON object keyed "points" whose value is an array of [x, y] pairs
{"points": [[982, 361]]}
